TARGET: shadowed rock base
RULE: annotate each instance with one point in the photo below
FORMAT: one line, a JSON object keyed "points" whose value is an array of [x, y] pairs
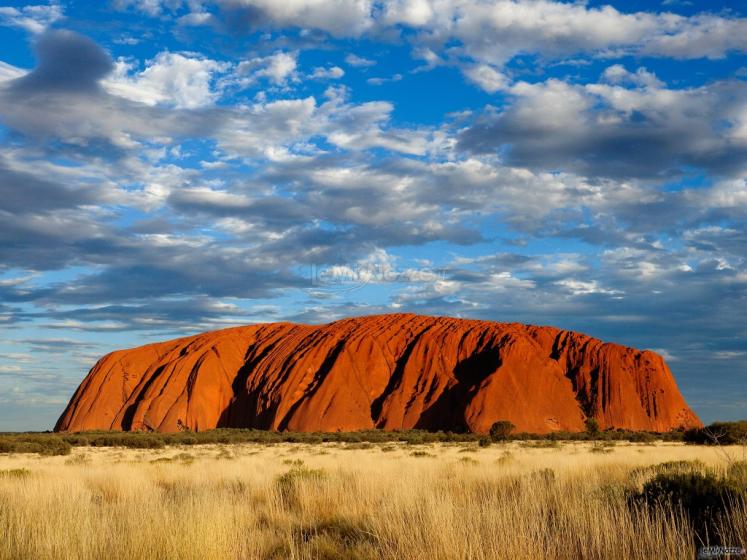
{"points": [[390, 371]]}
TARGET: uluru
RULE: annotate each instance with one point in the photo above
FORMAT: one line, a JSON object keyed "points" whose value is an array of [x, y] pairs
{"points": [[399, 371]]}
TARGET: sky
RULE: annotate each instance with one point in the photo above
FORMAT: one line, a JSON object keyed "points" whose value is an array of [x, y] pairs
{"points": [[169, 167]]}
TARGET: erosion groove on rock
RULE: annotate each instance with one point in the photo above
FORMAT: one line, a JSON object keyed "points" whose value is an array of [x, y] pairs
{"points": [[389, 371]]}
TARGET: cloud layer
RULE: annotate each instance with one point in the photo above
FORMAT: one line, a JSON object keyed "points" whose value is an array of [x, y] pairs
{"points": [[512, 160]]}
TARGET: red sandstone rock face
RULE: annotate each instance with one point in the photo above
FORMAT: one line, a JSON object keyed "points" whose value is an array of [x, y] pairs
{"points": [[388, 371]]}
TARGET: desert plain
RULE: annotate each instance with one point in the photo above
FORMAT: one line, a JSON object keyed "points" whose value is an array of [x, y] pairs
{"points": [[391, 500]]}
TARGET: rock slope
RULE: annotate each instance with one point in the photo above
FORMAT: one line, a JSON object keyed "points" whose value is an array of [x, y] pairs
{"points": [[390, 371]]}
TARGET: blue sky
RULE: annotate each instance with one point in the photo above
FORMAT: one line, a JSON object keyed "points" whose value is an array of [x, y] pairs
{"points": [[169, 167]]}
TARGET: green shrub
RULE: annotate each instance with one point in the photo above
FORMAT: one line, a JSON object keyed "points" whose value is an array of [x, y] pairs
{"points": [[592, 426], [501, 430], [718, 433], [705, 498], [641, 437], [55, 444], [43, 444], [76, 440]]}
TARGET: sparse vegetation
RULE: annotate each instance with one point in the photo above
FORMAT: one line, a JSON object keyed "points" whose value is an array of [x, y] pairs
{"points": [[420, 453], [602, 447], [432, 503], [61, 443], [15, 473]]}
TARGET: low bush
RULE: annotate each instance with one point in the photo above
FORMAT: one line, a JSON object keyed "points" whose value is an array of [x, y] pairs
{"points": [[43, 444], [501, 430], [59, 444], [718, 433], [592, 426], [287, 483], [705, 498]]}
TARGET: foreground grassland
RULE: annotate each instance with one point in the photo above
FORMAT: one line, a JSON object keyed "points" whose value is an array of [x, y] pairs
{"points": [[393, 500]]}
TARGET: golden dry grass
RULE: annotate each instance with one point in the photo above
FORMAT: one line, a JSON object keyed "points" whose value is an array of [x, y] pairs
{"points": [[391, 501]]}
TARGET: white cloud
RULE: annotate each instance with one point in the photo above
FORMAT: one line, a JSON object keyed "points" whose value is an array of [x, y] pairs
{"points": [[271, 128], [178, 80], [409, 12], [331, 73], [482, 36], [363, 126], [585, 287], [613, 130], [356, 61], [486, 77], [493, 31], [34, 19], [9, 72], [377, 81], [278, 68], [196, 19], [618, 74], [338, 17], [251, 130], [699, 36]]}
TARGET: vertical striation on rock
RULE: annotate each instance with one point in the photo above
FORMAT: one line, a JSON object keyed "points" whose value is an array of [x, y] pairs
{"points": [[392, 372]]}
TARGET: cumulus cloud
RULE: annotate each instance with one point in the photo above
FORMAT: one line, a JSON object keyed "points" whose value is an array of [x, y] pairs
{"points": [[614, 131], [278, 68], [9, 72], [337, 17], [486, 77], [618, 74], [34, 19], [189, 190], [62, 101], [271, 127], [483, 36], [183, 81], [352, 59], [377, 81], [331, 73]]}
